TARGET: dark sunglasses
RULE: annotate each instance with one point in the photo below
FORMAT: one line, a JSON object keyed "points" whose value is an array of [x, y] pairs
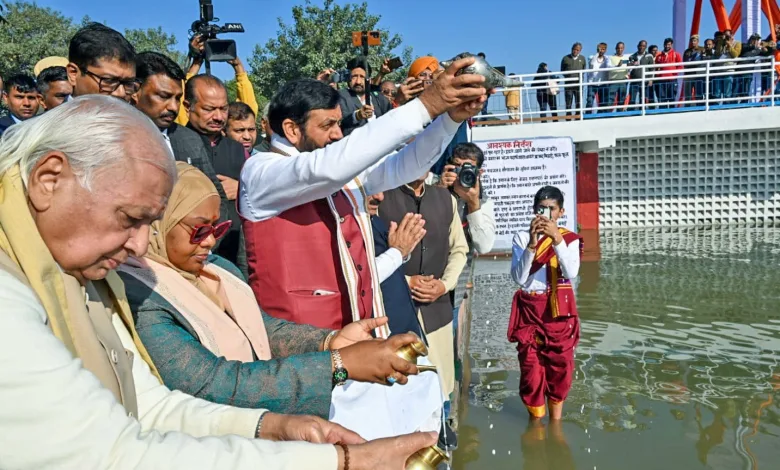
{"points": [[203, 231]]}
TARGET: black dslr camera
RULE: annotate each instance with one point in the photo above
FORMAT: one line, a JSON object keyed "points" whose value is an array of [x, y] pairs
{"points": [[468, 175], [217, 50]]}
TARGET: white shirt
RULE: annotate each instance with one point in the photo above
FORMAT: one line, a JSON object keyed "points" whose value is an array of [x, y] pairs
{"points": [[597, 63], [523, 257], [168, 142], [273, 183], [54, 414], [387, 263], [482, 227]]}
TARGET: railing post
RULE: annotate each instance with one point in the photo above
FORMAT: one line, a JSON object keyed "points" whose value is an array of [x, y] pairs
{"points": [[642, 94], [583, 98], [707, 87], [522, 113], [772, 81]]}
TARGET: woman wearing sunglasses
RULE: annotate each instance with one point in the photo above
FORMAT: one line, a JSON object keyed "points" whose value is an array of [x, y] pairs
{"points": [[202, 326]]}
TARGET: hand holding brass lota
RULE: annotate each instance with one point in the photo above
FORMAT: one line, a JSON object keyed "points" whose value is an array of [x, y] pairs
{"points": [[426, 459]]}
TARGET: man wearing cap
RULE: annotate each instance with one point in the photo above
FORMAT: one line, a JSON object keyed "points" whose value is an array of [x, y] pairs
{"points": [[355, 109], [693, 87]]}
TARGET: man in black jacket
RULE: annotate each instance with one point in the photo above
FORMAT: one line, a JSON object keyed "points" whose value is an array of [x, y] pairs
{"points": [[206, 102], [21, 97], [159, 97], [355, 112]]}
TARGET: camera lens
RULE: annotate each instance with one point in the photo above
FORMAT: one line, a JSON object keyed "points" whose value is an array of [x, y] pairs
{"points": [[467, 178]]}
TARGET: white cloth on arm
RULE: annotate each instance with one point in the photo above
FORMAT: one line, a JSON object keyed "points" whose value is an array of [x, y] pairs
{"points": [[55, 414], [272, 183], [482, 227], [387, 263], [522, 259]]}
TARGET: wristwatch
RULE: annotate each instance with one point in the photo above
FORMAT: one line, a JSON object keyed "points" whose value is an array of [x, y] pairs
{"points": [[340, 374]]}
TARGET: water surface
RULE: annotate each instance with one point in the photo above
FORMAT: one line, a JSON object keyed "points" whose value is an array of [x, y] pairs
{"points": [[677, 366]]}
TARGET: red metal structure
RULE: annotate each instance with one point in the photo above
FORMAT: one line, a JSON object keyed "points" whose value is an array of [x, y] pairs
{"points": [[733, 20]]}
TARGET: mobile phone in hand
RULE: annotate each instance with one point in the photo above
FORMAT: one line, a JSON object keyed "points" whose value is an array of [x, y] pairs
{"points": [[395, 63]]}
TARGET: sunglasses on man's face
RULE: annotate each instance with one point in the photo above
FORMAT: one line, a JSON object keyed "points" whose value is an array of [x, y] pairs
{"points": [[203, 231]]}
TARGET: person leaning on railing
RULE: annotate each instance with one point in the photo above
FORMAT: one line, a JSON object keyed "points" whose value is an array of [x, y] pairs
{"points": [[670, 61], [245, 93], [693, 88], [639, 59], [754, 50], [726, 47], [571, 65]]}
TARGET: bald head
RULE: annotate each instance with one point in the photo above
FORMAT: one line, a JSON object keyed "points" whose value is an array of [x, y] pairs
{"points": [[97, 173], [206, 100]]}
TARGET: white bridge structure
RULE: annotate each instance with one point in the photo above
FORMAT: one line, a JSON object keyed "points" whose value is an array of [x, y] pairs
{"points": [[708, 156]]}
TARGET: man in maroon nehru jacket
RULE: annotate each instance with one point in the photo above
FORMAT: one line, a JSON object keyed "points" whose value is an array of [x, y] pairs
{"points": [[309, 241]]}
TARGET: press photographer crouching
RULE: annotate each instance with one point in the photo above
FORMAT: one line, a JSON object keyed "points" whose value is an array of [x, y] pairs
{"points": [[462, 176]]}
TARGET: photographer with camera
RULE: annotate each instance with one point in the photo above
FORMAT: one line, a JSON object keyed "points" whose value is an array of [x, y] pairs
{"points": [[462, 176], [355, 110], [245, 93]]}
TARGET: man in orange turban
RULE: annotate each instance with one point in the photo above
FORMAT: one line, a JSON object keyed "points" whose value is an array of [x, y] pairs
{"points": [[421, 74], [424, 68]]}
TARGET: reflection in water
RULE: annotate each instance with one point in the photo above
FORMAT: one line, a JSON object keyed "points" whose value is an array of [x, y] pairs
{"points": [[679, 351]]}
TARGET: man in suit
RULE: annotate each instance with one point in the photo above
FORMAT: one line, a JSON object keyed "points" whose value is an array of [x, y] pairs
{"points": [[20, 95], [355, 112], [159, 97]]}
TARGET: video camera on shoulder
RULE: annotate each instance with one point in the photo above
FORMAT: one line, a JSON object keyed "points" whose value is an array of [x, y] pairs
{"points": [[216, 50]]}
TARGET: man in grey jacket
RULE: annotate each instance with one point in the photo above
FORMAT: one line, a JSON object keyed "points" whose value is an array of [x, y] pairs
{"points": [[571, 64]]}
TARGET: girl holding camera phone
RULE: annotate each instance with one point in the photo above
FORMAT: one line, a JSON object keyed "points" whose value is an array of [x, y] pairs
{"points": [[544, 320]]}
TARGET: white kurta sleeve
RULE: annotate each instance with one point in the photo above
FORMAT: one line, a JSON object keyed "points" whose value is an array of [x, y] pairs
{"points": [[414, 160], [482, 228], [568, 258], [522, 258], [387, 263], [55, 414], [271, 184]]}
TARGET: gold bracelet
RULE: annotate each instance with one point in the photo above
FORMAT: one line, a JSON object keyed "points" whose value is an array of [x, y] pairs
{"points": [[331, 335]]}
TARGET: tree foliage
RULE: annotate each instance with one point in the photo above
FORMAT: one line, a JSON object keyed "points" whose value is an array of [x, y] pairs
{"points": [[318, 38], [156, 40], [30, 33]]}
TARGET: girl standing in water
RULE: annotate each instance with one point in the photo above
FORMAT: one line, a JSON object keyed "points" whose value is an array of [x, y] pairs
{"points": [[544, 319]]}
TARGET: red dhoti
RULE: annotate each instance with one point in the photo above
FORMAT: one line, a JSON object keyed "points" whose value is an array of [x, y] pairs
{"points": [[545, 346]]}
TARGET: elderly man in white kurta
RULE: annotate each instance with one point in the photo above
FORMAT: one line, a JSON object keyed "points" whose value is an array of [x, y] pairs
{"points": [[79, 187]]}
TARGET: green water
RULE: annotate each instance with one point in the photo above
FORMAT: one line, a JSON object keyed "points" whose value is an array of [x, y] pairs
{"points": [[678, 366]]}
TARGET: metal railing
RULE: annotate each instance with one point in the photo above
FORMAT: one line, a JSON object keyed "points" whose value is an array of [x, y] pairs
{"points": [[659, 88]]}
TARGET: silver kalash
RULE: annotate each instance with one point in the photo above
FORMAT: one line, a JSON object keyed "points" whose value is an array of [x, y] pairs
{"points": [[493, 78]]}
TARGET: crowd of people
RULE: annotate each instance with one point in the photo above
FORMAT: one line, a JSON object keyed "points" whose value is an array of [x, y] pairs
{"points": [[613, 82], [183, 283]]}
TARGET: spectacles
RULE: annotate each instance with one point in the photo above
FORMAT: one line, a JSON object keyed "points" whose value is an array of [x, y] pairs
{"points": [[388, 92], [110, 84], [203, 231]]}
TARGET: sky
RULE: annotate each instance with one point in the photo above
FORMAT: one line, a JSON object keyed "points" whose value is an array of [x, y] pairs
{"points": [[518, 34]]}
